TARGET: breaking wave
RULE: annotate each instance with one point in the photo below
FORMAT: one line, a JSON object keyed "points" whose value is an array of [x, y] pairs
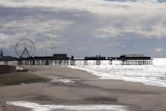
{"points": [[154, 75], [38, 107]]}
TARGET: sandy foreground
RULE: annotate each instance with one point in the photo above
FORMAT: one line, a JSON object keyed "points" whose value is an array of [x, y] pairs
{"points": [[73, 87]]}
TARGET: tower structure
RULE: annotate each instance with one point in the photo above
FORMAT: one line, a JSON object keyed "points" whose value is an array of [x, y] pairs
{"points": [[1, 53]]}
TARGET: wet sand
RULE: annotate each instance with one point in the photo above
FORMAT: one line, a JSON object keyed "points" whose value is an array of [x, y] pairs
{"points": [[85, 88]]}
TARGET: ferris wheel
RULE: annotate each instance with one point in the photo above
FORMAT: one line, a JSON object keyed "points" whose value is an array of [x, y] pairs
{"points": [[25, 48]]}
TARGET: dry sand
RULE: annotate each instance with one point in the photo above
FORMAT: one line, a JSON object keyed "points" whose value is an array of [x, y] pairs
{"points": [[86, 89]]}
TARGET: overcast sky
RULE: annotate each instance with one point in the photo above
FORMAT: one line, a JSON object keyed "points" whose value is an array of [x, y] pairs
{"points": [[85, 27]]}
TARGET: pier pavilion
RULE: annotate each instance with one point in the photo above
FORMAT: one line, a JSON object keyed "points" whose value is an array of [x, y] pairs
{"points": [[135, 59], [56, 59]]}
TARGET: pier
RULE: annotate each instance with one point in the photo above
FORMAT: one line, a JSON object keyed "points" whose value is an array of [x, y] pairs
{"points": [[63, 59], [27, 57]]}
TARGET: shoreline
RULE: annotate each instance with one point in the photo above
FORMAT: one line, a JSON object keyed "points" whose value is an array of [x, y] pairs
{"points": [[86, 89], [152, 78]]}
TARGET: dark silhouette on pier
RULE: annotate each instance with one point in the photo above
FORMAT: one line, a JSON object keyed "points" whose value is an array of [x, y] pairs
{"points": [[1, 53]]}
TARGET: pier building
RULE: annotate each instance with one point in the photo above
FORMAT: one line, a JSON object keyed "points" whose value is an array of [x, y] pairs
{"points": [[135, 59]]}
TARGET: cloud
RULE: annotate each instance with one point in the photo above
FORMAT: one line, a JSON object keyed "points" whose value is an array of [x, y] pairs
{"points": [[150, 1], [158, 49], [139, 19], [159, 52], [99, 6], [156, 31], [70, 24], [144, 18], [42, 30]]}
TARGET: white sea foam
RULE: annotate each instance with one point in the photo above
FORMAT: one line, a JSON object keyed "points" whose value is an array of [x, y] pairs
{"points": [[38, 107], [148, 74]]}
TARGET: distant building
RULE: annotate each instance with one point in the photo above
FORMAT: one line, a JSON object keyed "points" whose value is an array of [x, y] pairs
{"points": [[1, 53], [56, 59]]}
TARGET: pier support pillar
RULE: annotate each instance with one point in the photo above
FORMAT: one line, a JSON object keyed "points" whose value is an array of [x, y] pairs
{"points": [[98, 62], [72, 62], [110, 62], [85, 62]]}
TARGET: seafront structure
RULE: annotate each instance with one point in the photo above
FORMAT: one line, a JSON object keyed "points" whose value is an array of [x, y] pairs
{"points": [[97, 59], [63, 59], [86, 60], [56, 59], [25, 49], [5, 59], [135, 59]]}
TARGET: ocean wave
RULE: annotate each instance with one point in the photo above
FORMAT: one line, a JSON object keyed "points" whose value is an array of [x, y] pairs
{"points": [[154, 75], [38, 107]]}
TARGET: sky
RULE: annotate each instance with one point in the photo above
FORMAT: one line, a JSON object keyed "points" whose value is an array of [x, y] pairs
{"points": [[85, 27]]}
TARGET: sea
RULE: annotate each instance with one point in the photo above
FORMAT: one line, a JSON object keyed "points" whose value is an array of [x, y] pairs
{"points": [[154, 75]]}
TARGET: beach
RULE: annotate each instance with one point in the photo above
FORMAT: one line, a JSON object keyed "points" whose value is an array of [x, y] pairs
{"points": [[82, 55], [76, 87]]}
